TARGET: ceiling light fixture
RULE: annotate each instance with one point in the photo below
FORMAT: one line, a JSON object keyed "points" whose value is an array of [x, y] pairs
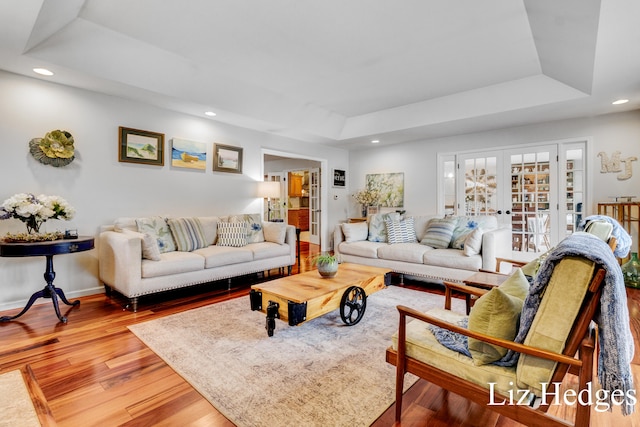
{"points": [[210, 114], [620, 101], [42, 71], [375, 141]]}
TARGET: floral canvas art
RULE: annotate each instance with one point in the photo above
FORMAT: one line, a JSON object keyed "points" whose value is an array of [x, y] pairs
{"points": [[389, 187]]}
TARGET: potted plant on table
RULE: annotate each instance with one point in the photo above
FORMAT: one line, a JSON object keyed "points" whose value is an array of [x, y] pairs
{"points": [[327, 264]]}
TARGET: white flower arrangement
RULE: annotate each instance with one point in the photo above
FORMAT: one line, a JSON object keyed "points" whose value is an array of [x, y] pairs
{"points": [[367, 197], [33, 211]]}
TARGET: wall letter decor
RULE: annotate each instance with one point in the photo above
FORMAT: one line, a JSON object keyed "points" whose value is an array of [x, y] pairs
{"points": [[614, 164]]}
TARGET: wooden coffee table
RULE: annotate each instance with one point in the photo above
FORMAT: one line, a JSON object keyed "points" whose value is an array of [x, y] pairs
{"points": [[306, 296]]}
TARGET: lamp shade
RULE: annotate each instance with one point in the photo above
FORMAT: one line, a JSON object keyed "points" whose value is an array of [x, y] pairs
{"points": [[269, 189]]}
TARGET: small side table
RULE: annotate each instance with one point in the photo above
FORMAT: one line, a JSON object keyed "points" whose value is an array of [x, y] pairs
{"points": [[47, 249]]}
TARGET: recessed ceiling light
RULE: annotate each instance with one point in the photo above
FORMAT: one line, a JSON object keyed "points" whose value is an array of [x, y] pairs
{"points": [[620, 101], [375, 141], [42, 71], [210, 114]]}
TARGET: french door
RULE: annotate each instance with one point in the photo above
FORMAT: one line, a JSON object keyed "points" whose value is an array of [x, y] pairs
{"points": [[314, 206], [539, 191]]}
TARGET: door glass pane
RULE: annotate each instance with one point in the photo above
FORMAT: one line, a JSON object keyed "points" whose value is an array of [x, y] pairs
{"points": [[574, 186], [530, 202], [449, 181], [480, 186]]}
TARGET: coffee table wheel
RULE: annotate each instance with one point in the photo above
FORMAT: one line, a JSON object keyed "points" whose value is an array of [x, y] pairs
{"points": [[353, 305]]}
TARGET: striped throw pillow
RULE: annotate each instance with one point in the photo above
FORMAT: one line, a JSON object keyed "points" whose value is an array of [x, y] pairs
{"points": [[187, 233], [232, 234], [439, 233], [401, 231]]}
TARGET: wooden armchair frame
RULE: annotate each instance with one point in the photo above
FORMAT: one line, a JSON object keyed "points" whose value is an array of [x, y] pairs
{"points": [[581, 340]]}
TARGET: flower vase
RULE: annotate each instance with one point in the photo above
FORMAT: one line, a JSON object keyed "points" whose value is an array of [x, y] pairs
{"points": [[364, 211], [631, 271], [33, 225]]}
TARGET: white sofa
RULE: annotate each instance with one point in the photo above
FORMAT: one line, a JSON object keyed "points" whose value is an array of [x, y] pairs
{"points": [[358, 243], [136, 263]]}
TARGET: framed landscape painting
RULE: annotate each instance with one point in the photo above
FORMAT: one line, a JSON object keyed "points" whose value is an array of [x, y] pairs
{"points": [[188, 154], [140, 146], [227, 158]]}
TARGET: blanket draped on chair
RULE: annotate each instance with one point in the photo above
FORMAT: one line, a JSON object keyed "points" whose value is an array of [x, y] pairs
{"points": [[615, 339]]}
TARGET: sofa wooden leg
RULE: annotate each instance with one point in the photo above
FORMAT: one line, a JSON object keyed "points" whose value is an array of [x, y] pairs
{"points": [[107, 290], [229, 284], [401, 279], [289, 270], [133, 302]]}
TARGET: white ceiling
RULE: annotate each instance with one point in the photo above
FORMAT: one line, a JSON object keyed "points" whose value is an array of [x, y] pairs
{"points": [[340, 72]]}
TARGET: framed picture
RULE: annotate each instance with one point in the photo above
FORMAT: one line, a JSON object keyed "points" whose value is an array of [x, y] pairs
{"points": [[141, 146], [188, 154], [227, 158], [339, 178]]}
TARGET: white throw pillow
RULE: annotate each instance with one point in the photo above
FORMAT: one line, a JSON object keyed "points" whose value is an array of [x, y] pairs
{"points": [[274, 232], [355, 232], [473, 243]]}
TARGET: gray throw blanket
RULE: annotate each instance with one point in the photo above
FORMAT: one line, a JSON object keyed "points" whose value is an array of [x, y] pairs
{"points": [[615, 339]]}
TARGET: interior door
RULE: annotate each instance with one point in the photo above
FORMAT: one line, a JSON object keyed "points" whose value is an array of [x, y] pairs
{"points": [[479, 184], [314, 206], [533, 197]]}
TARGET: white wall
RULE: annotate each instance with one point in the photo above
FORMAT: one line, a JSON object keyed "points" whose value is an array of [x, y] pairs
{"points": [[101, 188], [418, 160]]}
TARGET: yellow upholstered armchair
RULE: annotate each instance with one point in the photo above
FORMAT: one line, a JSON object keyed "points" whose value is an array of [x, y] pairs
{"points": [[518, 341]]}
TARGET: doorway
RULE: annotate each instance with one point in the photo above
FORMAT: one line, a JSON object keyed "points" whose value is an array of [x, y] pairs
{"points": [[303, 193]]}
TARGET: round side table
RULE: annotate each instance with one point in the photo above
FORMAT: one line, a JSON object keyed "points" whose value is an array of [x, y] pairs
{"points": [[47, 249]]}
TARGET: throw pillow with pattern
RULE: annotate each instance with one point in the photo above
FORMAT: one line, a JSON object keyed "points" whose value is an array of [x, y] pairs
{"points": [[438, 233], [377, 227], [232, 234], [255, 234], [401, 231], [187, 233], [157, 227]]}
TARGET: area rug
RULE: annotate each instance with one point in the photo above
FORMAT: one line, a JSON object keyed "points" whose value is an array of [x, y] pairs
{"points": [[319, 373], [15, 405]]}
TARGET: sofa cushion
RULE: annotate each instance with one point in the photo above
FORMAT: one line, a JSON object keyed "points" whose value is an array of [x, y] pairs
{"points": [[364, 249], [423, 345], [377, 227], [473, 242], [265, 250], [210, 228], [496, 314], [218, 256], [149, 245], [400, 231], [275, 232], [438, 233], [407, 252], [172, 263], [466, 224], [254, 226], [157, 227], [187, 234], [355, 232], [232, 234], [452, 258]]}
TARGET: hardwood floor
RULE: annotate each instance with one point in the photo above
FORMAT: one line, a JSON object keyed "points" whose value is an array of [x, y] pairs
{"points": [[93, 371]]}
